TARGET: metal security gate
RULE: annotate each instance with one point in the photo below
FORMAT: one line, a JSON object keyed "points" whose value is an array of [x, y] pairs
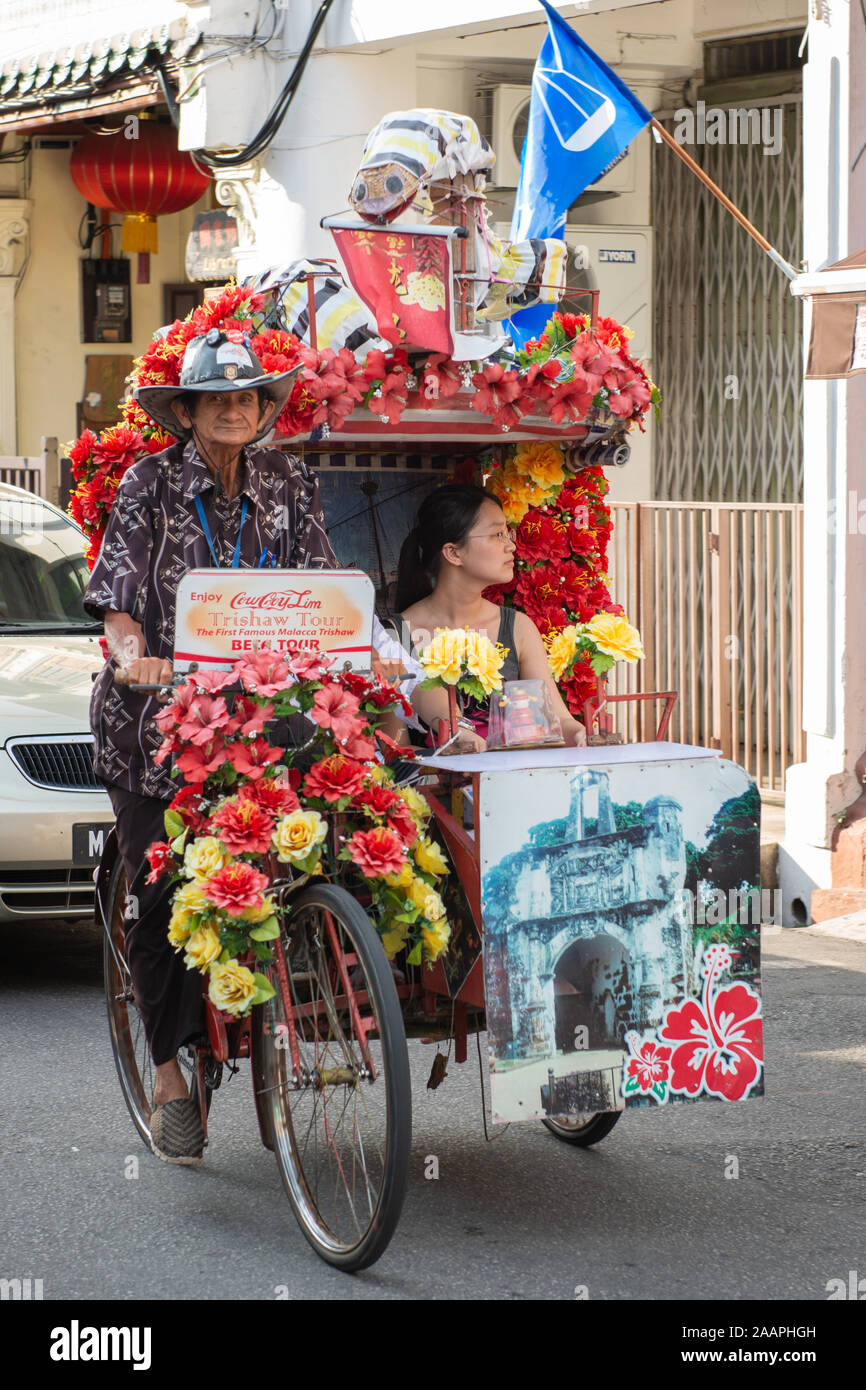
{"points": [[727, 333], [716, 591]]}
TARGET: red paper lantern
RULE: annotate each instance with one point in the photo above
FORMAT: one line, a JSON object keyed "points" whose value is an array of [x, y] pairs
{"points": [[142, 177]]}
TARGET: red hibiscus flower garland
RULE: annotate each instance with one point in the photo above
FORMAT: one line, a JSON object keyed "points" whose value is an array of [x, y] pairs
{"points": [[246, 815]]}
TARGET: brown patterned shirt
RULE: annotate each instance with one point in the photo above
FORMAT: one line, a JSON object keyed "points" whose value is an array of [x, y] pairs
{"points": [[154, 536]]}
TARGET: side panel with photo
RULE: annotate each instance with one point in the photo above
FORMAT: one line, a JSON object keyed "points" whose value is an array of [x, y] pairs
{"points": [[622, 914]]}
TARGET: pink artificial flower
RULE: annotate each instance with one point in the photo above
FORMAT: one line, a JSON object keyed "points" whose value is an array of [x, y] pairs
{"points": [[337, 709], [263, 673], [310, 666], [204, 718], [250, 718]]}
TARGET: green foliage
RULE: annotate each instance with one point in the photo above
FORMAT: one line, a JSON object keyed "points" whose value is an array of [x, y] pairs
{"points": [[731, 858]]}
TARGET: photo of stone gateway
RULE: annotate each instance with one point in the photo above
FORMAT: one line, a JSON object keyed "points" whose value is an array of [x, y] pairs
{"points": [[592, 943]]}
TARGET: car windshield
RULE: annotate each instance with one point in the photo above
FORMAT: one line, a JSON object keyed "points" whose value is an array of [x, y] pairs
{"points": [[43, 573]]}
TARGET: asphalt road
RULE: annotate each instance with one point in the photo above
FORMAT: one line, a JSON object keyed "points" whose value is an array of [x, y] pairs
{"points": [[648, 1214]]}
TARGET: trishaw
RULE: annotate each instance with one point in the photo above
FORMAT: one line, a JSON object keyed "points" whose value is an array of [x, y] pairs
{"points": [[573, 946]]}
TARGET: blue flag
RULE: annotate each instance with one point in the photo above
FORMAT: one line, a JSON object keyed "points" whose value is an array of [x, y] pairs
{"points": [[581, 117]]}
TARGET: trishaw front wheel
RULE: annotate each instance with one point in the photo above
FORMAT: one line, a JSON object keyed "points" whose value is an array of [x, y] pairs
{"points": [[583, 1130], [333, 1078]]}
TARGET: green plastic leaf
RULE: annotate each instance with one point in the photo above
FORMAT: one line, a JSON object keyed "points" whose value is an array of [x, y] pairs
{"points": [[264, 989], [179, 842], [174, 825], [268, 930], [414, 956]]}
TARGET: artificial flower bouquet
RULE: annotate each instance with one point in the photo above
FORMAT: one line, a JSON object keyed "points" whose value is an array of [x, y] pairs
{"points": [[462, 659], [246, 815], [604, 639]]}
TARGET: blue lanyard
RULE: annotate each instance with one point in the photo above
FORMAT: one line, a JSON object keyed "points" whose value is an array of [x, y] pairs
{"points": [[207, 535]]}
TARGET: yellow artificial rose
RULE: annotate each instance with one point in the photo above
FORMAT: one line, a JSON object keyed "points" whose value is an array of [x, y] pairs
{"points": [[426, 899], [205, 857], [445, 655], [202, 948], [188, 901], [614, 635], [401, 880], [561, 649], [180, 927], [542, 463], [435, 936], [393, 940], [428, 856], [298, 834], [232, 987], [419, 807]]}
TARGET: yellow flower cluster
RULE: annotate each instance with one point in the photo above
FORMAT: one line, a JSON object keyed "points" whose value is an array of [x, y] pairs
{"points": [[530, 478], [458, 652], [611, 634]]}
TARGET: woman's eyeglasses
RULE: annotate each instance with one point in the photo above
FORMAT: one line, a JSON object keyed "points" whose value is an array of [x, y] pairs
{"points": [[505, 536]]}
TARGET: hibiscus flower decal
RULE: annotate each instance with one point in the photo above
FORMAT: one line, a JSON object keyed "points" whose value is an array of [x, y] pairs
{"points": [[718, 1040], [647, 1069]]}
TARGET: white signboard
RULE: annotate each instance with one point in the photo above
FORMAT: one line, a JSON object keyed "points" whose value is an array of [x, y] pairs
{"points": [[223, 615]]}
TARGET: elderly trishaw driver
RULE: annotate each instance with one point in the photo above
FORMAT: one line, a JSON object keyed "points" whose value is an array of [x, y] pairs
{"points": [[210, 500]]}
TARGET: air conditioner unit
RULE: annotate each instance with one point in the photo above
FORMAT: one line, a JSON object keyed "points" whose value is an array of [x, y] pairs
{"points": [[616, 261], [510, 121]]}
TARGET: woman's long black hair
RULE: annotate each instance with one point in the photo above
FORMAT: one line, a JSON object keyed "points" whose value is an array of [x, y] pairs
{"points": [[445, 516]]}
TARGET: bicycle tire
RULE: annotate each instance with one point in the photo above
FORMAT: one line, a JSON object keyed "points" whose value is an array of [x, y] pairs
{"points": [[366, 1158], [133, 1062], [132, 1058], [583, 1132]]}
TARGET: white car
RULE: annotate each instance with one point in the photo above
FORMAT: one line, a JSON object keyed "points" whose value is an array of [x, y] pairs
{"points": [[54, 815]]}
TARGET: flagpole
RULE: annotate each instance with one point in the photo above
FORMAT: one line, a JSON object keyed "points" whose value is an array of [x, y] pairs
{"points": [[725, 201]]}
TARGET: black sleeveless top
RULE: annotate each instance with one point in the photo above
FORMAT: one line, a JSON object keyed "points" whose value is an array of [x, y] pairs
{"points": [[477, 711]]}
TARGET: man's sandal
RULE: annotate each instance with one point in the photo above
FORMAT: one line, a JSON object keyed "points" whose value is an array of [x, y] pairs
{"points": [[177, 1133]]}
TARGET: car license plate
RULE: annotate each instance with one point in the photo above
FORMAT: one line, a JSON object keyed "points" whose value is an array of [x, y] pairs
{"points": [[88, 842]]}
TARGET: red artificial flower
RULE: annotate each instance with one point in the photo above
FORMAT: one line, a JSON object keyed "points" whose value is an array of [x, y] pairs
{"points": [[190, 806], [378, 800], [80, 454], [335, 777], [235, 888], [541, 535], [310, 666], [400, 821], [377, 852], [250, 718], [362, 747], [439, 377], [243, 826], [497, 393], [537, 381], [161, 858], [252, 759], [118, 447], [197, 762], [571, 401], [388, 377]]}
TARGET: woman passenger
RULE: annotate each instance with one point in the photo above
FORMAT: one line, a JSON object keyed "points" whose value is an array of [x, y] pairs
{"points": [[459, 547]]}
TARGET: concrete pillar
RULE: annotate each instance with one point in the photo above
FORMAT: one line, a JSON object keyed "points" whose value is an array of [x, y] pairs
{"points": [[14, 229], [819, 791]]}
